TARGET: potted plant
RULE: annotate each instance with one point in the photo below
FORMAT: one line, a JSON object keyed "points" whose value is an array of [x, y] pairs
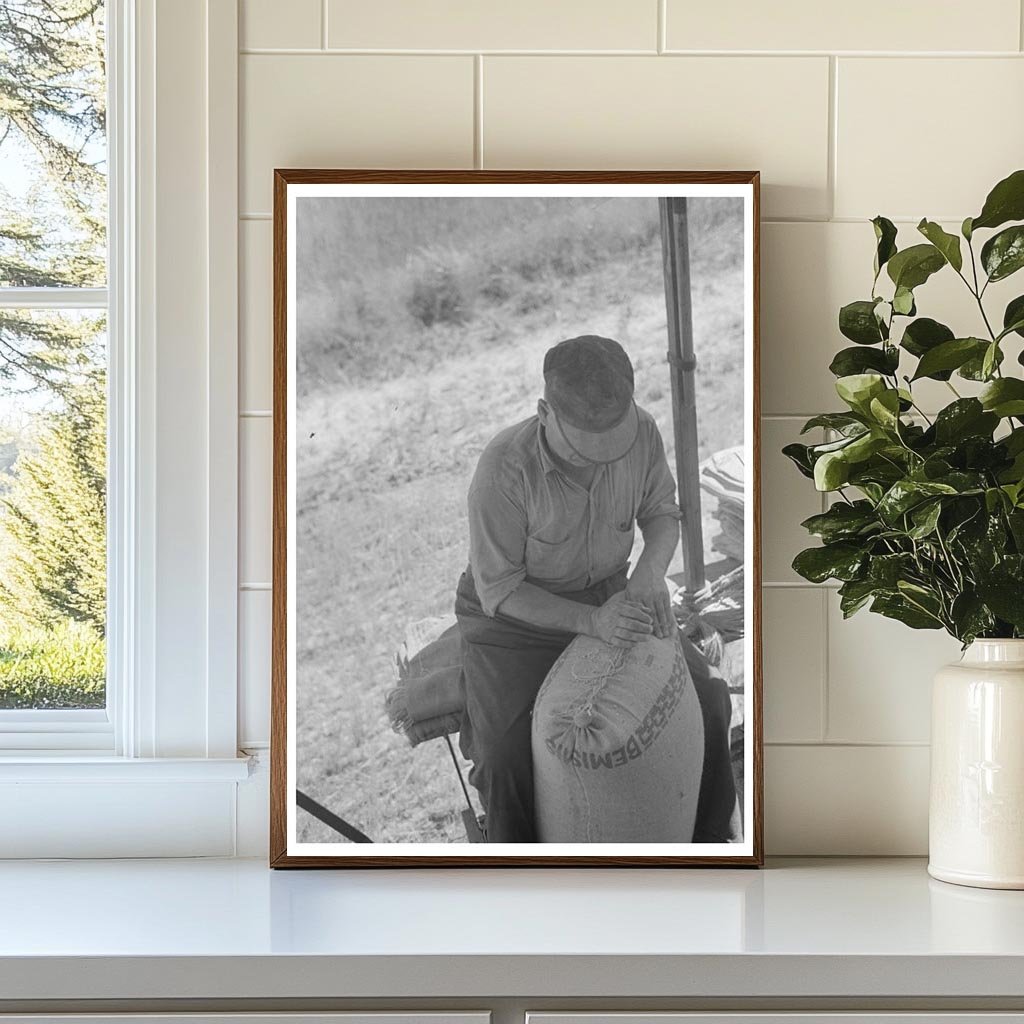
{"points": [[926, 519]]}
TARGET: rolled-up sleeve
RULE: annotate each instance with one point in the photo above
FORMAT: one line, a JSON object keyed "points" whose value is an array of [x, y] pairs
{"points": [[659, 496], [497, 542]]}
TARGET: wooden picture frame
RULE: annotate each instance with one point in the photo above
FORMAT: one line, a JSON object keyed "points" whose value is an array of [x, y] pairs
{"points": [[287, 802]]}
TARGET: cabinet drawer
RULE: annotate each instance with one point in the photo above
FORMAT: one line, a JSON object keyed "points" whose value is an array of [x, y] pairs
{"points": [[851, 1017], [354, 1017]]}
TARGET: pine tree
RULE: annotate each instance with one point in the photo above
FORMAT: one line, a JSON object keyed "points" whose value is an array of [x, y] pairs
{"points": [[53, 123], [53, 519], [53, 117]]}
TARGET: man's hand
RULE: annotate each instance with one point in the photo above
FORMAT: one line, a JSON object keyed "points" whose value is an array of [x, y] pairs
{"points": [[620, 622], [649, 590]]}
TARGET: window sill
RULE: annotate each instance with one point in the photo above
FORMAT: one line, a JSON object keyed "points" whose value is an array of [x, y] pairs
{"points": [[74, 766]]}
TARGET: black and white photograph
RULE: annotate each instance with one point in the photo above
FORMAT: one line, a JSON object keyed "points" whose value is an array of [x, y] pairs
{"points": [[515, 563]]}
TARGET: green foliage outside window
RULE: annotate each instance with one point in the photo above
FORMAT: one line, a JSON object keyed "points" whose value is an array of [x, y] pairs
{"points": [[52, 365]]}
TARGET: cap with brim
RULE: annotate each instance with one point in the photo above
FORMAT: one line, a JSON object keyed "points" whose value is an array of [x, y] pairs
{"points": [[607, 445], [589, 386]]}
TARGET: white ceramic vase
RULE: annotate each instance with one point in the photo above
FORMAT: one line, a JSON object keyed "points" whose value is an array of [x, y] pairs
{"points": [[976, 815]]}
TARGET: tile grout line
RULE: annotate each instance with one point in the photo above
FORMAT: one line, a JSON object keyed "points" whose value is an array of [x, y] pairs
{"points": [[851, 744], [662, 28], [768, 55], [833, 134], [1020, 24], [478, 111], [823, 682], [323, 24]]}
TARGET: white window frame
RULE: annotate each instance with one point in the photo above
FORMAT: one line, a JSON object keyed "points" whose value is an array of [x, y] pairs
{"points": [[172, 513], [64, 730]]}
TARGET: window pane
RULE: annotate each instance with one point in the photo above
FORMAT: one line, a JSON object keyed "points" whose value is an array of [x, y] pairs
{"points": [[52, 509], [53, 150]]}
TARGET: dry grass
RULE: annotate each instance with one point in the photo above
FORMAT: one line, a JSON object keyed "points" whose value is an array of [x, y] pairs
{"points": [[389, 435]]}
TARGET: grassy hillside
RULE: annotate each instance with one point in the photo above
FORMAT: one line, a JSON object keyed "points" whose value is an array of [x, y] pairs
{"points": [[422, 330]]}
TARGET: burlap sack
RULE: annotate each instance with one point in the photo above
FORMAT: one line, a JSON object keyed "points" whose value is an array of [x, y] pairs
{"points": [[618, 745]]}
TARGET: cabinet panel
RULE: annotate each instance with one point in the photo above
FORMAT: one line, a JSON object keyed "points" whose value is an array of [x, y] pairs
{"points": [[360, 1017], [932, 1017]]}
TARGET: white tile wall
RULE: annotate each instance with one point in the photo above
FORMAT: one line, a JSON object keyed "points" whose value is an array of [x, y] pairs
{"points": [[254, 664], [255, 510], [261, 26], [874, 25], [701, 113], [971, 110], [256, 303], [794, 664], [910, 109], [788, 498], [332, 110], [472, 25]]}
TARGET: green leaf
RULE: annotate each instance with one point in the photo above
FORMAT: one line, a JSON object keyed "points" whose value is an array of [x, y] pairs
{"points": [[849, 361], [864, 446], [1014, 441], [965, 228], [966, 417], [799, 455], [1004, 397], [974, 368], [923, 335], [872, 491], [840, 561], [949, 355], [833, 420], [970, 617], [1003, 254], [817, 450], [854, 594], [947, 244], [903, 302], [887, 570], [1013, 317], [843, 521], [897, 607], [994, 499], [885, 237], [906, 494], [885, 409], [990, 360], [1005, 597], [1005, 202], [1013, 476], [858, 389], [964, 482], [857, 321], [925, 518], [831, 471], [912, 267]]}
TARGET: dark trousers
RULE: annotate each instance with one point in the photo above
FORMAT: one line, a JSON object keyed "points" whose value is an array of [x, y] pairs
{"points": [[504, 664]]}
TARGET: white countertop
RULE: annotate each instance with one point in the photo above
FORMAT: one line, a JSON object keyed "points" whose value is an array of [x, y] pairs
{"points": [[234, 929]]}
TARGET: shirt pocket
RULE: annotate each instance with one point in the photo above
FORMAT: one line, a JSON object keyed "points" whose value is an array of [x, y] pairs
{"points": [[552, 559]]}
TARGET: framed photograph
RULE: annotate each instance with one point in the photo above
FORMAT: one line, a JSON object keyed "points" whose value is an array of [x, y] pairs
{"points": [[516, 572]]}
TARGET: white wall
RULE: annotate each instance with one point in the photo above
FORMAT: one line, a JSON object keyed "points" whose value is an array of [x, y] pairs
{"points": [[906, 109]]}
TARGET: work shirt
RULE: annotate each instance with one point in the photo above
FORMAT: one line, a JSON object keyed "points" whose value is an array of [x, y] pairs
{"points": [[529, 521]]}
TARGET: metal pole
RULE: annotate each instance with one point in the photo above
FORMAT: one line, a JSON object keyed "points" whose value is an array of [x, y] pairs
{"points": [[675, 250]]}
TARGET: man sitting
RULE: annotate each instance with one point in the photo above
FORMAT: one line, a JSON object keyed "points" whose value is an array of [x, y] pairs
{"points": [[552, 509]]}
